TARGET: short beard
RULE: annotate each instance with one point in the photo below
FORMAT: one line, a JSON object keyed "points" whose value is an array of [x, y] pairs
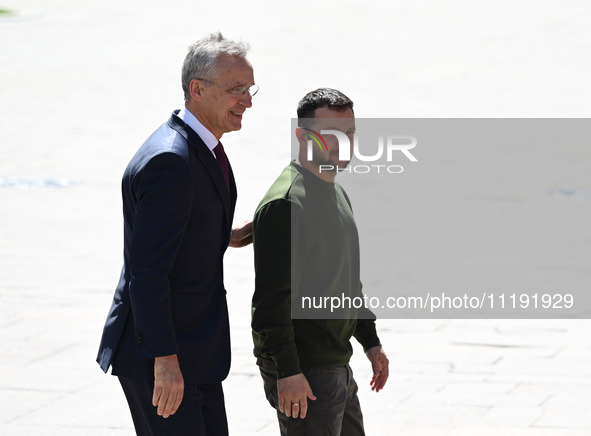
{"points": [[330, 166]]}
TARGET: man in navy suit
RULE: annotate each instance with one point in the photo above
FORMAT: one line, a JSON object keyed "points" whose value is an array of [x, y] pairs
{"points": [[167, 333]]}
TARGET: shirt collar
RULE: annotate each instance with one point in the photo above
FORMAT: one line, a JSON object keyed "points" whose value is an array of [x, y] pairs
{"points": [[206, 136]]}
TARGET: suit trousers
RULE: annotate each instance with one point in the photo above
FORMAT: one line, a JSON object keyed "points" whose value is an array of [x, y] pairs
{"points": [[336, 410], [201, 413]]}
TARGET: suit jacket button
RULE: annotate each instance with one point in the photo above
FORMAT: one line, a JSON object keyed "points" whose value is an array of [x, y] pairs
{"points": [[140, 339]]}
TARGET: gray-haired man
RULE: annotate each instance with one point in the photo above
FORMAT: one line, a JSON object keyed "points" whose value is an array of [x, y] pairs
{"points": [[167, 333]]}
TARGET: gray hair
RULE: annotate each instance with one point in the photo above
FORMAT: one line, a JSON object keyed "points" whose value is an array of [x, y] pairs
{"points": [[202, 57]]}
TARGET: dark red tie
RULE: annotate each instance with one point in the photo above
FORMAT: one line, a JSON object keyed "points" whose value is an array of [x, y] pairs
{"points": [[222, 159]]}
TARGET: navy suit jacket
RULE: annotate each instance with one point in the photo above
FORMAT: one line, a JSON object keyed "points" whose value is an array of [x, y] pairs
{"points": [[171, 297]]}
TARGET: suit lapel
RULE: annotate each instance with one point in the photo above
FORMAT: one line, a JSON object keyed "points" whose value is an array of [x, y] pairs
{"points": [[208, 160], [232, 185]]}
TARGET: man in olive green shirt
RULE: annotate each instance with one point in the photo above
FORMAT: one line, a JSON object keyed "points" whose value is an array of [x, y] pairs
{"points": [[306, 245]]}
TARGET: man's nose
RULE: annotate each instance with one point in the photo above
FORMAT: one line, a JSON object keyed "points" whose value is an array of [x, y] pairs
{"points": [[246, 99]]}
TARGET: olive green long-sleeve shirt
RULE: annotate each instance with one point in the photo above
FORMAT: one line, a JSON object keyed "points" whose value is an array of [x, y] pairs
{"points": [[306, 246]]}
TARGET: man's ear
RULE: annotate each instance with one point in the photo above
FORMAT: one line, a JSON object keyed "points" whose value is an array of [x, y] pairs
{"points": [[196, 89], [302, 137]]}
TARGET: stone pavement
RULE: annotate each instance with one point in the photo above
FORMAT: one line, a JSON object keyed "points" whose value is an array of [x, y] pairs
{"points": [[76, 75]]}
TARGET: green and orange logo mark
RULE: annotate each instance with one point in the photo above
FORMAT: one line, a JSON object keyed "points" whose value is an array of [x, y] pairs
{"points": [[315, 136]]}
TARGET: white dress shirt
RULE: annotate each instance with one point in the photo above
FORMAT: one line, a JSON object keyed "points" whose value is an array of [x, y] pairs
{"points": [[206, 136]]}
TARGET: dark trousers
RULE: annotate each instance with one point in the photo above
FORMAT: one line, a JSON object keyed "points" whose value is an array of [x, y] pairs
{"points": [[201, 413], [336, 410]]}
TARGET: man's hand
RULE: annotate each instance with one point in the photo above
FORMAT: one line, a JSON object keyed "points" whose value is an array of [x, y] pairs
{"points": [[379, 364], [168, 385], [293, 393], [241, 235]]}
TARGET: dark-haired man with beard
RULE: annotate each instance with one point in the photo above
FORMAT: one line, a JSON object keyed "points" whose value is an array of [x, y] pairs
{"points": [[306, 243]]}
